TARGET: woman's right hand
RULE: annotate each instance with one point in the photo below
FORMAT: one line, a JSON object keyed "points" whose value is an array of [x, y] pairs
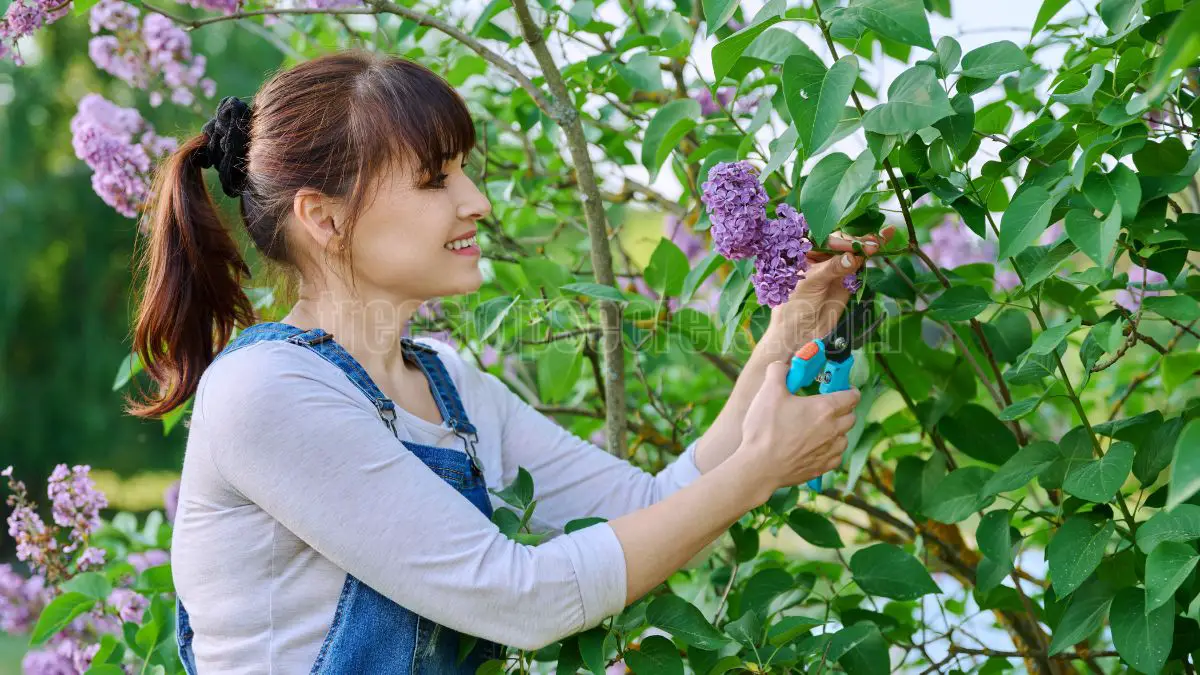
{"points": [[791, 439]]}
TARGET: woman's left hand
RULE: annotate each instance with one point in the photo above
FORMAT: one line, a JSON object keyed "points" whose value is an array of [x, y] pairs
{"points": [[813, 308]]}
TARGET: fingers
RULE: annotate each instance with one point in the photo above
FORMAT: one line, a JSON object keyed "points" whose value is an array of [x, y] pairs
{"points": [[868, 245], [842, 402], [843, 424]]}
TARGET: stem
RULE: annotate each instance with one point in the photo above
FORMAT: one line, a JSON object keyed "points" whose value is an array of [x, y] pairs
{"points": [[562, 110]]}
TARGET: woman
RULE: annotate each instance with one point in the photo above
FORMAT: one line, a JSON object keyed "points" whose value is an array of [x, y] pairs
{"points": [[333, 513]]}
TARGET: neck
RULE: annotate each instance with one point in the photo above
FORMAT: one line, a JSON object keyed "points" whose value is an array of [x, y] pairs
{"points": [[368, 325]]}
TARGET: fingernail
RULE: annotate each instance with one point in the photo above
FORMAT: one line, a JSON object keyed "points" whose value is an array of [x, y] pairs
{"points": [[846, 260], [872, 244]]}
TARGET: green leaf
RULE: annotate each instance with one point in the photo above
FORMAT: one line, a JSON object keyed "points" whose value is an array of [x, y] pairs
{"points": [[816, 97], [1083, 616], [960, 303], [977, 432], [1093, 237], [60, 612], [1029, 461], [747, 629], [696, 276], [915, 100], [958, 495], [814, 528], [1076, 551], [994, 536], [764, 587], [1019, 409], [684, 621], [726, 52], [949, 52], [1142, 637], [670, 123], [667, 269], [958, 129], [1117, 14], [832, 188], [1181, 48], [581, 12], [1084, 95], [718, 12], [591, 649], [130, 365], [1026, 218], [868, 655], [994, 60], [1050, 338], [490, 314], [656, 654], [1181, 524], [1167, 566], [519, 493], [92, 584], [888, 571], [1099, 479], [1046, 13], [642, 71], [782, 149], [1185, 472], [900, 20], [594, 290], [558, 367], [1179, 307]]}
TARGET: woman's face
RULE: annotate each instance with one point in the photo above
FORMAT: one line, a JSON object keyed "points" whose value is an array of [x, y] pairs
{"points": [[401, 244]]}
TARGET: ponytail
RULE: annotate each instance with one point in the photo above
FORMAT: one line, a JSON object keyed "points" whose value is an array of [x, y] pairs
{"points": [[193, 283]]}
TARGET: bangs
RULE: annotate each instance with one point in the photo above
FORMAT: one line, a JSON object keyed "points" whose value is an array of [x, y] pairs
{"points": [[413, 119]]}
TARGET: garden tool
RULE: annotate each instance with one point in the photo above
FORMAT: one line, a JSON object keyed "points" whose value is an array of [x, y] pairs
{"points": [[828, 360]]}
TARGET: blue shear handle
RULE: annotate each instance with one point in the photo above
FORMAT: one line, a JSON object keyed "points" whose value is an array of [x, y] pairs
{"points": [[837, 378]]}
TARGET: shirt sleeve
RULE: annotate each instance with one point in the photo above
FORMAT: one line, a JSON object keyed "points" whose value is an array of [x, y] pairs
{"points": [[573, 478], [317, 458]]}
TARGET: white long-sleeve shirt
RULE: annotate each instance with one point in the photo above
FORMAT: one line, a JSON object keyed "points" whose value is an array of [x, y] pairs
{"points": [[291, 480]]}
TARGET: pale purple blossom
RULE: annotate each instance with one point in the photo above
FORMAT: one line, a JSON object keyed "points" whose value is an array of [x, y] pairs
{"points": [[129, 605], [171, 500], [736, 204], [103, 135], [75, 503], [689, 242], [222, 6], [22, 18], [147, 559], [488, 356], [782, 257], [953, 244], [851, 282], [21, 600], [1132, 296], [708, 106], [66, 656], [90, 558]]}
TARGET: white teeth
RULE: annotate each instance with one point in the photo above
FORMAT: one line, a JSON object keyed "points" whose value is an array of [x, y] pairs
{"points": [[461, 243]]}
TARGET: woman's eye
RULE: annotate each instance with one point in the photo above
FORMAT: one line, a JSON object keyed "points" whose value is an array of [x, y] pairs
{"points": [[439, 181]]}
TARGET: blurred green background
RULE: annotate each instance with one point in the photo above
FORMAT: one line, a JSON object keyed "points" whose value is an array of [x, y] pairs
{"points": [[66, 260]]}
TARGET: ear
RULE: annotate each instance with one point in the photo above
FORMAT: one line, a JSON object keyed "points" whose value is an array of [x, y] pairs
{"points": [[318, 215]]}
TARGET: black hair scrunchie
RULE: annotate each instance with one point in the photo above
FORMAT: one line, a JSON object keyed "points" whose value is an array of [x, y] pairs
{"points": [[228, 135]]}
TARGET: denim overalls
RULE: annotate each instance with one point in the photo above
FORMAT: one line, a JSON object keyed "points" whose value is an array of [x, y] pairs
{"points": [[369, 632]]}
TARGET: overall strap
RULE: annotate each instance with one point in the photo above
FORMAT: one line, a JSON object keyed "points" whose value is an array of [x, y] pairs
{"points": [[445, 393], [323, 345]]}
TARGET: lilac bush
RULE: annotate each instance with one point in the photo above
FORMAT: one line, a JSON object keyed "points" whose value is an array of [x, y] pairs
{"points": [[22, 18], [57, 554]]}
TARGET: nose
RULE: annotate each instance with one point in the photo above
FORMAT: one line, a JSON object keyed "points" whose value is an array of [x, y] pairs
{"points": [[475, 206]]}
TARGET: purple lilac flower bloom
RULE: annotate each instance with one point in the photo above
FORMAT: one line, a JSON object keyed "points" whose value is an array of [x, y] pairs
{"points": [[171, 500], [76, 502], [736, 204], [65, 656], [103, 137], [22, 18], [128, 604], [488, 356], [705, 98], [21, 600], [147, 559], [1132, 296], [691, 244], [222, 6], [91, 557], [953, 244], [851, 282], [782, 257]]}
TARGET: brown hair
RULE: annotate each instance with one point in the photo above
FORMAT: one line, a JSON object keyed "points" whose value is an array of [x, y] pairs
{"points": [[334, 124]]}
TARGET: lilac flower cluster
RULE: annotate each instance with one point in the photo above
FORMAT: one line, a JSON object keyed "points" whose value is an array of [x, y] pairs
{"points": [[22, 18], [157, 58], [75, 505], [737, 207], [953, 244], [103, 136]]}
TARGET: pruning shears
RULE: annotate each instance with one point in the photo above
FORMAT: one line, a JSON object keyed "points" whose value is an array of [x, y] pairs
{"points": [[828, 360]]}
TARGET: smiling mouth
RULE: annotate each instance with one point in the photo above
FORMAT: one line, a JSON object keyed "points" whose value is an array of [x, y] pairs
{"points": [[461, 243]]}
